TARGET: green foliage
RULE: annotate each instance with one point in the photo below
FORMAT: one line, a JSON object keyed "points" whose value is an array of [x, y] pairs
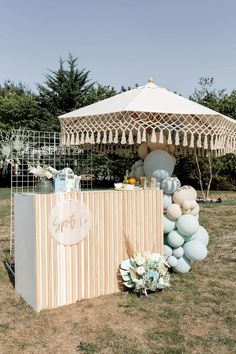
{"points": [[66, 88], [223, 170], [22, 110], [112, 165], [220, 100]]}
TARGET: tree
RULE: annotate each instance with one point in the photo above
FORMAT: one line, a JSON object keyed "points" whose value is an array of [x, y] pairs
{"points": [[69, 88], [65, 89], [220, 100], [19, 107]]}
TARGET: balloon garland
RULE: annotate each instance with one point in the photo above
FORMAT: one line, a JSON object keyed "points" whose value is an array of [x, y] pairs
{"points": [[185, 240]]}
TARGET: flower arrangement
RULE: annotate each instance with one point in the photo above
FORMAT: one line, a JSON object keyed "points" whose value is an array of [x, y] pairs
{"points": [[144, 273], [46, 172]]}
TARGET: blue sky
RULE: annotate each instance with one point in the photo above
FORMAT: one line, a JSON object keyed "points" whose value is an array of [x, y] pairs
{"points": [[121, 42]]}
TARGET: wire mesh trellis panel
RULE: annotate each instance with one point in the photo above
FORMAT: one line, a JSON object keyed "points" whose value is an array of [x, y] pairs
{"points": [[30, 148]]}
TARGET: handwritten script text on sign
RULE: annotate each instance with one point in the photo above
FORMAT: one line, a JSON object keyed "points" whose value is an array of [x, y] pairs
{"points": [[70, 222]]}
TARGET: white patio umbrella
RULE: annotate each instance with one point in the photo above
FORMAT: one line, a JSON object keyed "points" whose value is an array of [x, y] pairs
{"points": [[129, 117]]}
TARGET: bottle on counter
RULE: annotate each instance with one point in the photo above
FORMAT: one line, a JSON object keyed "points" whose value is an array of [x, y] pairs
{"points": [[126, 177]]}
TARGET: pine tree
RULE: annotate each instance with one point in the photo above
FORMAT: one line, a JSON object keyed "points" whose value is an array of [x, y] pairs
{"points": [[66, 88]]}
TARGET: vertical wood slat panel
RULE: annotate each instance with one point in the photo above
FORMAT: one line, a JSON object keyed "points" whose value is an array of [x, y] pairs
{"points": [[89, 269]]}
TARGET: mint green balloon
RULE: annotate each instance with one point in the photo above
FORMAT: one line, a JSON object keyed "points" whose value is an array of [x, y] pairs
{"points": [[183, 265], [195, 250], [173, 261], [187, 224], [169, 225], [201, 235], [178, 252], [167, 251], [175, 239], [167, 200]]}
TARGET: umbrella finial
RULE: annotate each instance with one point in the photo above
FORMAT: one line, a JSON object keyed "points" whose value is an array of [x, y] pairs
{"points": [[150, 80]]}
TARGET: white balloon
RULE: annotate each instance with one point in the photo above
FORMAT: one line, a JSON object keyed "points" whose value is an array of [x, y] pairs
{"points": [[174, 211]]}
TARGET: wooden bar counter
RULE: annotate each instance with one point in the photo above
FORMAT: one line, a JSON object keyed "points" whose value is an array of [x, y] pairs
{"points": [[51, 270]]}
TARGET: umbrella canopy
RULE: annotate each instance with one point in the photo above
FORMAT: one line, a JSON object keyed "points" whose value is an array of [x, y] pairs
{"points": [[129, 117]]}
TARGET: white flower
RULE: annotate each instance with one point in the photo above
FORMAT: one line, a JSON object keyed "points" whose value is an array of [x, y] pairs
{"points": [[18, 144], [139, 260], [156, 257], [6, 150], [140, 270], [48, 174]]}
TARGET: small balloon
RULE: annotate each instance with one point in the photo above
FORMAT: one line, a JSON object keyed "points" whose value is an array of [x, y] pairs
{"points": [[143, 150], [157, 145], [178, 252], [174, 211], [170, 184], [167, 251], [169, 225], [175, 239], [184, 193], [167, 200], [183, 265], [172, 261]]}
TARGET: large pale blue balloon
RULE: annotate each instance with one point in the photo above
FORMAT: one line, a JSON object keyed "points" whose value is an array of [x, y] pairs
{"points": [[167, 200], [175, 239], [169, 224], [170, 184], [173, 261], [178, 252], [158, 164], [201, 235], [195, 250], [183, 265], [167, 251], [139, 172], [187, 224]]}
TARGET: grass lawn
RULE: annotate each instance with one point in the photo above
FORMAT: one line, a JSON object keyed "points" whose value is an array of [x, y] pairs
{"points": [[196, 315]]}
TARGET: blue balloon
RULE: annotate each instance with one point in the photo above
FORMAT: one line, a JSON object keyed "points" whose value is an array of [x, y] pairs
{"points": [[170, 184], [158, 164]]}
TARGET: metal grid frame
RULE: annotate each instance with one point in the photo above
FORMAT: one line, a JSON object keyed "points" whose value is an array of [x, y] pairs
{"points": [[35, 147]]}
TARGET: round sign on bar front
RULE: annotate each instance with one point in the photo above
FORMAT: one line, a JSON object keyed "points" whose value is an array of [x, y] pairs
{"points": [[70, 222]]}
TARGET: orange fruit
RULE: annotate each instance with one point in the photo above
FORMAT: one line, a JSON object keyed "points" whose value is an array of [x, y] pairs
{"points": [[132, 180]]}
